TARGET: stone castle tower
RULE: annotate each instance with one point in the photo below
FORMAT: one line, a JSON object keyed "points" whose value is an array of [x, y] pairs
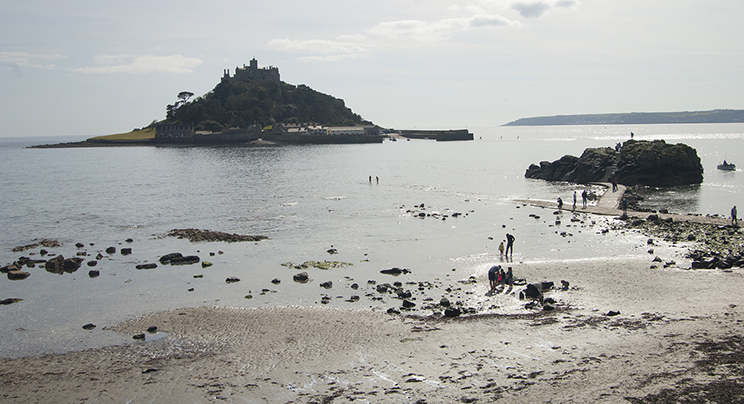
{"points": [[253, 72]]}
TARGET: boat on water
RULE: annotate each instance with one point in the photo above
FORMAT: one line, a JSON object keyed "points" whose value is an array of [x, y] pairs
{"points": [[727, 166]]}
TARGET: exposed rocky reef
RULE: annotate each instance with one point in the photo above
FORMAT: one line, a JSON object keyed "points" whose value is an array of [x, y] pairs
{"points": [[652, 163]]}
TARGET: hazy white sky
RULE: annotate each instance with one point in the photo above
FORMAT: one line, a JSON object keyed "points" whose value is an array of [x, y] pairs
{"points": [[91, 67]]}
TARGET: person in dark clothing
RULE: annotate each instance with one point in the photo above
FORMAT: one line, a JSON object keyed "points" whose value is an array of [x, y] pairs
{"points": [[509, 244], [493, 276]]}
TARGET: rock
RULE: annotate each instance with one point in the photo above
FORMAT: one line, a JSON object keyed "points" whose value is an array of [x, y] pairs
{"points": [[395, 271], [179, 259], [110, 250], [206, 264], [197, 235], [653, 163], [332, 251], [11, 267], [43, 252], [139, 337], [613, 313], [404, 294], [94, 273], [392, 311], [92, 263], [276, 281], [444, 302], [326, 285], [18, 275], [355, 286], [89, 326], [71, 265], [452, 312], [302, 277], [408, 304], [10, 300], [126, 251], [232, 279], [534, 291], [353, 298], [152, 329], [166, 259], [55, 265], [79, 245], [149, 265]]}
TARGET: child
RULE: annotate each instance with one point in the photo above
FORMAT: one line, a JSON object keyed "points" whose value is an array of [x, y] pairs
{"points": [[501, 249]]}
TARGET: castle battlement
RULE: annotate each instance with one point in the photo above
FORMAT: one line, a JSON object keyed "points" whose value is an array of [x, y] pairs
{"points": [[252, 72]]}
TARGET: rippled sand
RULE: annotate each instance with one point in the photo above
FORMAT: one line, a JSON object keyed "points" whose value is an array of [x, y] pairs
{"points": [[667, 336]]}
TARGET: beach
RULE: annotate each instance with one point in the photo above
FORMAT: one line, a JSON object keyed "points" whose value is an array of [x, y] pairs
{"points": [[675, 336], [636, 323]]}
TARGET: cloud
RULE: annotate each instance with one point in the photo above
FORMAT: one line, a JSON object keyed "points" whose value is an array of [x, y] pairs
{"points": [[537, 8], [16, 60], [386, 32], [437, 30], [345, 47], [531, 10], [136, 64]]}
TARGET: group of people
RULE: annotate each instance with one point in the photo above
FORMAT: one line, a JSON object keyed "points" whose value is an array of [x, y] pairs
{"points": [[584, 199], [497, 276]]}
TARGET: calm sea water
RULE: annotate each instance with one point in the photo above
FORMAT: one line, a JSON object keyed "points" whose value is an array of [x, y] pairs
{"points": [[306, 199]]}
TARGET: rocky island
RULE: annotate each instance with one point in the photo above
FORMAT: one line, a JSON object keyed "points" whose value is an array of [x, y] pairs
{"points": [[652, 163]]}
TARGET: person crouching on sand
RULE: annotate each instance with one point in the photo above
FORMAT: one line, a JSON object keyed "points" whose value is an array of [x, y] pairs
{"points": [[493, 276]]}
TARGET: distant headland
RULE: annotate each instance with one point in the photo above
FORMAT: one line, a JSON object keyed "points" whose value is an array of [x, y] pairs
{"points": [[636, 118]]}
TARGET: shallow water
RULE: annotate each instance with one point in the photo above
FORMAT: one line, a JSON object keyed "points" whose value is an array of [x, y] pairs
{"points": [[307, 200]]}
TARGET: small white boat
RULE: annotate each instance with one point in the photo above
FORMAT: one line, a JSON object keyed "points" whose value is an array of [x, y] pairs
{"points": [[727, 166]]}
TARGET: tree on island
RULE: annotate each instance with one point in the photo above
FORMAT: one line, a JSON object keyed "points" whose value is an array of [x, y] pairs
{"points": [[183, 98]]}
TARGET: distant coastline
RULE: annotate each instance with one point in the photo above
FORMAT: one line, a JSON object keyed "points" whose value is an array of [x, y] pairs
{"points": [[636, 118]]}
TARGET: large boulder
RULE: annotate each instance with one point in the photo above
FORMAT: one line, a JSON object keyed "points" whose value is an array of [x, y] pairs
{"points": [[653, 163], [658, 164]]}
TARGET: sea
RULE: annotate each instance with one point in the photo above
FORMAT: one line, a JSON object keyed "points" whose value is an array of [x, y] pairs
{"points": [[358, 205]]}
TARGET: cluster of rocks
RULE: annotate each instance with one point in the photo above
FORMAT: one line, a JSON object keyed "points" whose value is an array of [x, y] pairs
{"points": [[653, 163], [712, 246], [421, 212], [198, 235]]}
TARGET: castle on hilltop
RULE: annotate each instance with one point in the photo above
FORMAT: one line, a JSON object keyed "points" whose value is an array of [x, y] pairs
{"points": [[252, 72]]}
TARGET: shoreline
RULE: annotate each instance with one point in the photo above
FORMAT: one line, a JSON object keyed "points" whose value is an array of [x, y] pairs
{"points": [[575, 353]]}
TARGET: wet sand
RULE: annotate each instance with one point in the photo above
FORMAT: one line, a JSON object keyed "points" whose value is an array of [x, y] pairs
{"points": [[676, 337]]}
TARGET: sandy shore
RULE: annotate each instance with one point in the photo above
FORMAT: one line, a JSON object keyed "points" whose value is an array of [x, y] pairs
{"points": [[677, 336]]}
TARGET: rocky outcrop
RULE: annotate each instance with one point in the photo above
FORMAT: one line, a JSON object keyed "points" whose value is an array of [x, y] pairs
{"points": [[653, 163], [197, 235]]}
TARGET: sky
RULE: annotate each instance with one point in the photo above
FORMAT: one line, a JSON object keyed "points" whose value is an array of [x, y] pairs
{"points": [[97, 67]]}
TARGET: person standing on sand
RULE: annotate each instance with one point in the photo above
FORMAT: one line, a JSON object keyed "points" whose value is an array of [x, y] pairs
{"points": [[733, 216], [583, 199], [574, 205], [509, 279], [501, 250], [509, 244]]}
